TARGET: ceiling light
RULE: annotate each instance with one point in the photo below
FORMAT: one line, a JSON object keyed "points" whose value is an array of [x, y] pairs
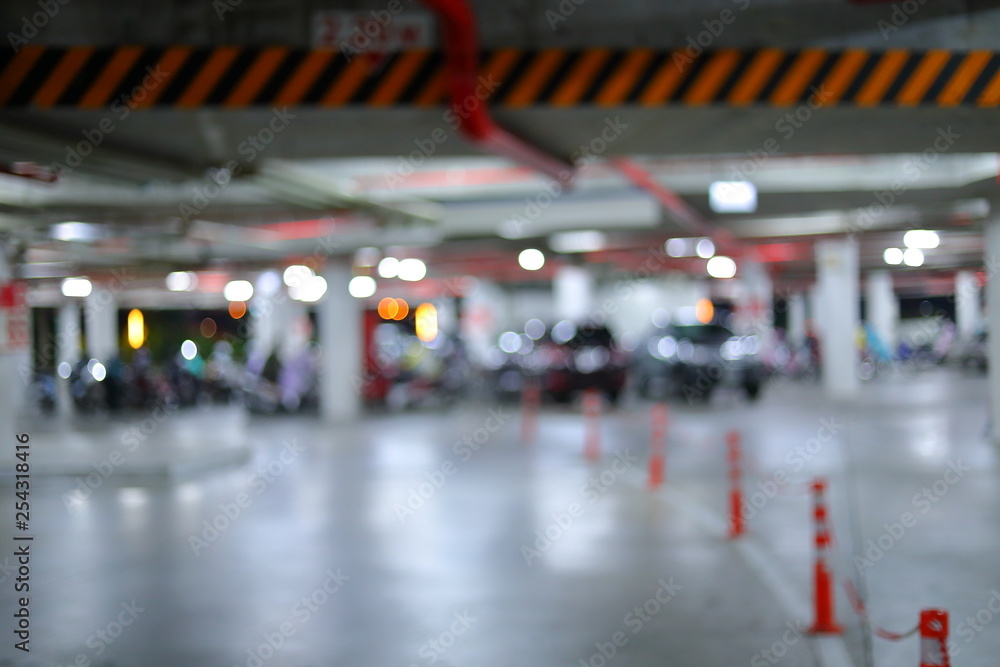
{"points": [[182, 281], [531, 259], [921, 238], [913, 257], [569, 242], [361, 287], [732, 197], [893, 256], [679, 247], [78, 287], [296, 274], [237, 290], [721, 267], [310, 290], [388, 267], [412, 270], [705, 248]]}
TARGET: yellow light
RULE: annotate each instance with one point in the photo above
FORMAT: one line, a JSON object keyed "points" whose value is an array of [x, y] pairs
{"points": [[136, 329], [404, 310], [387, 308], [426, 322], [704, 311]]}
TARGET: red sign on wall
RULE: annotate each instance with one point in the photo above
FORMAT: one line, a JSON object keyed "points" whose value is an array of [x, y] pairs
{"points": [[15, 323], [380, 31]]}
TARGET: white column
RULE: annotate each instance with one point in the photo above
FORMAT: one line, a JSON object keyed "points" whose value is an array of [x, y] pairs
{"points": [[968, 317], [101, 324], [796, 333], [992, 261], [838, 306], [339, 320], [882, 308], [573, 288], [67, 350]]}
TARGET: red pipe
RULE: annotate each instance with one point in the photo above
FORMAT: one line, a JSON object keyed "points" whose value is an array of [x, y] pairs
{"points": [[462, 55]]}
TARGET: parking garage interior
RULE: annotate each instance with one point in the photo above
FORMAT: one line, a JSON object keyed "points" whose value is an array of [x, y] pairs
{"points": [[454, 332]]}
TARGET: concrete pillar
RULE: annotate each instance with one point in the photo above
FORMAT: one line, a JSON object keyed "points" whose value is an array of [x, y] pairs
{"points": [[68, 349], [339, 320], [101, 314], [796, 333], [882, 310], [968, 317], [573, 288], [838, 307], [992, 261]]}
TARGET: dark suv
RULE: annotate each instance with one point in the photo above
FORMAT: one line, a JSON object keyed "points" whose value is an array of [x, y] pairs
{"points": [[693, 360]]}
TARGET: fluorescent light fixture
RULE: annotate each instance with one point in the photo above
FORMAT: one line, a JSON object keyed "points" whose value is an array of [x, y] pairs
{"points": [[721, 267], [680, 247], [705, 248], [893, 256], [921, 238], [75, 231], [296, 274], [189, 350], [182, 281], [913, 257], [362, 287], [237, 290], [531, 259], [732, 197], [77, 287], [412, 270], [388, 267], [310, 291], [570, 242], [98, 371]]}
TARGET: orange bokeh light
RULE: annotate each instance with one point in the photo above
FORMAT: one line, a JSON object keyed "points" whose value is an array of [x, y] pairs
{"points": [[403, 310], [388, 308], [237, 309]]}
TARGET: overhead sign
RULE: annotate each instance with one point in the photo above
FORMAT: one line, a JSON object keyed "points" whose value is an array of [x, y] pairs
{"points": [[372, 32]]}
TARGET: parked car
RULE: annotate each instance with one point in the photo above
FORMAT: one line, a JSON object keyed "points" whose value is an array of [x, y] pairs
{"points": [[691, 361]]}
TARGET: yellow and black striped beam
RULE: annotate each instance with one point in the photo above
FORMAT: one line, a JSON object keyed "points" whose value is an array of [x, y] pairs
{"points": [[237, 77]]}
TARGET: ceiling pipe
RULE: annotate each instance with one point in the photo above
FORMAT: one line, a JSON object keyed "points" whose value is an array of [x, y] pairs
{"points": [[462, 56]]}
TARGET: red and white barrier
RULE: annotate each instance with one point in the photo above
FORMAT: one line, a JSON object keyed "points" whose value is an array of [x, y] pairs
{"points": [[592, 425], [825, 621], [657, 444], [736, 523], [934, 638]]}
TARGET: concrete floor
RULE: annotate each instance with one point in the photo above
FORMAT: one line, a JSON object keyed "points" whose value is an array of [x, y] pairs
{"points": [[326, 560]]}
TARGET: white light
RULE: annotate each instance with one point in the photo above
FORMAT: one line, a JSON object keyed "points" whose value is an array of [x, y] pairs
{"points": [[64, 370], [75, 231], [569, 242], [388, 267], [721, 267], [705, 248], [509, 342], [296, 274], [913, 257], [563, 331], [534, 329], [531, 259], [666, 347], [679, 248], [189, 350], [99, 371], [181, 281], [921, 238], [310, 291], [361, 287], [237, 290], [732, 197], [268, 283], [412, 270], [78, 287], [893, 256]]}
